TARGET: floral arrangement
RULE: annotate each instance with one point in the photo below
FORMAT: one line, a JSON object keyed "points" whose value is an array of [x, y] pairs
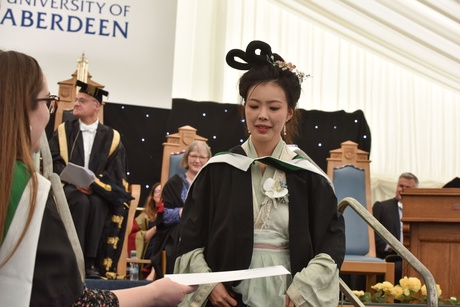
{"points": [[289, 66], [277, 191], [409, 291]]}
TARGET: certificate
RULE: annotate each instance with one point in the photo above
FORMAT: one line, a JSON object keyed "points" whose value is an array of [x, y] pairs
{"points": [[77, 175], [215, 277]]}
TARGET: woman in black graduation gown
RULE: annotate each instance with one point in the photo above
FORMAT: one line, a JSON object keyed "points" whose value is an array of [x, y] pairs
{"points": [[38, 266], [174, 193], [261, 204]]}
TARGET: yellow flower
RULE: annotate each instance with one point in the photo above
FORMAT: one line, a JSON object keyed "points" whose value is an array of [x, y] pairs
{"points": [[377, 286], [410, 284], [423, 290], [438, 290], [407, 291], [358, 293], [387, 287], [397, 292]]}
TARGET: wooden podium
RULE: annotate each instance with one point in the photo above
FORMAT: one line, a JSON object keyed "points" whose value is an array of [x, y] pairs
{"points": [[431, 231]]}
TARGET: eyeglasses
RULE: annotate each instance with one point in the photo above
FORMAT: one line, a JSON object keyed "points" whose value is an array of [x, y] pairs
{"points": [[157, 191], [194, 157], [52, 102]]}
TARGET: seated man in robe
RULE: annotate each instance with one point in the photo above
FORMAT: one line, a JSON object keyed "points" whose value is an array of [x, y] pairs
{"points": [[94, 146]]}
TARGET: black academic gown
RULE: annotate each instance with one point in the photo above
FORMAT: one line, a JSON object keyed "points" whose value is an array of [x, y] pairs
{"points": [[218, 215], [167, 236], [112, 166], [56, 280], [100, 161]]}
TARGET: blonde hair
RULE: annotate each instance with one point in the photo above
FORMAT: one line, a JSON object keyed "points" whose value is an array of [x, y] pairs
{"points": [[195, 145], [21, 80]]}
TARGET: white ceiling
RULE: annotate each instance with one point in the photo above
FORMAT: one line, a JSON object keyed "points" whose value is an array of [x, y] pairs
{"points": [[422, 35]]}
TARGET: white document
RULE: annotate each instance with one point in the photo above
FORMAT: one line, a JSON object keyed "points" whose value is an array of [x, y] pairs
{"points": [[77, 175], [215, 277]]}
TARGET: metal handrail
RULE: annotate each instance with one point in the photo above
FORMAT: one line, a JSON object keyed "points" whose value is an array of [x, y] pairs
{"points": [[398, 247], [349, 294]]}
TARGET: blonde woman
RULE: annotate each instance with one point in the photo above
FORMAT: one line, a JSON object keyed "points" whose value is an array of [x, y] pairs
{"points": [[174, 193]]}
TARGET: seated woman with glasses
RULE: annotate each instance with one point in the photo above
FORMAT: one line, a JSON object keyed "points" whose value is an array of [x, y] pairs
{"points": [[174, 194], [143, 233]]}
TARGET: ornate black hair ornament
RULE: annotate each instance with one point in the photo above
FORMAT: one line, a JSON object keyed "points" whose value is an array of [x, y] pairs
{"points": [[251, 58]]}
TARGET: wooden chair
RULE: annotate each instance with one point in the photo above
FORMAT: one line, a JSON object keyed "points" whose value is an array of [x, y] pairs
{"points": [[124, 257], [349, 169]]}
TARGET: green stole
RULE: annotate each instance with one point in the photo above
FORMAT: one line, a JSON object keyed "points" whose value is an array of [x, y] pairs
{"points": [[20, 179]]}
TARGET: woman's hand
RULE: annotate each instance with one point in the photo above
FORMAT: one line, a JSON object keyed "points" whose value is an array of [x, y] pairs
{"points": [[220, 297], [150, 233], [170, 293], [163, 292], [289, 303]]}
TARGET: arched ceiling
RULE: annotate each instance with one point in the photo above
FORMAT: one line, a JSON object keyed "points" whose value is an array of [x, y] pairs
{"points": [[422, 35]]}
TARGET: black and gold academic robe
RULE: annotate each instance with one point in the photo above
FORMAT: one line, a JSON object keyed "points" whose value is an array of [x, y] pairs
{"points": [[218, 215], [167, 236], [108, 158]]}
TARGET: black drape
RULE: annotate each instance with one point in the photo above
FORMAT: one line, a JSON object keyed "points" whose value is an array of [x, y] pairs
{"points": [[143, 131]]}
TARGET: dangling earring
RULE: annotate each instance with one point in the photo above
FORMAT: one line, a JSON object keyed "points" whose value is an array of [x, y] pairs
{"points": [[284, 130]]}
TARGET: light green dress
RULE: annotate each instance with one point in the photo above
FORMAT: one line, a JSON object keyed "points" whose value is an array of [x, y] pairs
{"points": [[271, 238], [315, 285]]}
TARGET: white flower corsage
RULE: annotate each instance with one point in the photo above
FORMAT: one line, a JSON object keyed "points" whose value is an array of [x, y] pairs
{"points": [[277, 191]]}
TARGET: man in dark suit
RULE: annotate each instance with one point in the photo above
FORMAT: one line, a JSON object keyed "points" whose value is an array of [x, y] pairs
{"points": [[389, 214], [92, 145]]}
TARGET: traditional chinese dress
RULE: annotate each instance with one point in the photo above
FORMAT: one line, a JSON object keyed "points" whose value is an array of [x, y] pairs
{"points": [[229, 223]]}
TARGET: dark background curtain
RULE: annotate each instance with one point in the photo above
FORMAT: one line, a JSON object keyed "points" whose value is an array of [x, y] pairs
{"points": [[143, 131]]}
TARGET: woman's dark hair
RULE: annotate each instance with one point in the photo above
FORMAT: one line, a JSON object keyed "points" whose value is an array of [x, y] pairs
{"points": [[150, 206], [263, 67]]}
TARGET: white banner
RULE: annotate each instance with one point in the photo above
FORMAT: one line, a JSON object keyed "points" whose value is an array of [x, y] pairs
{"points": [[129, 44]]}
